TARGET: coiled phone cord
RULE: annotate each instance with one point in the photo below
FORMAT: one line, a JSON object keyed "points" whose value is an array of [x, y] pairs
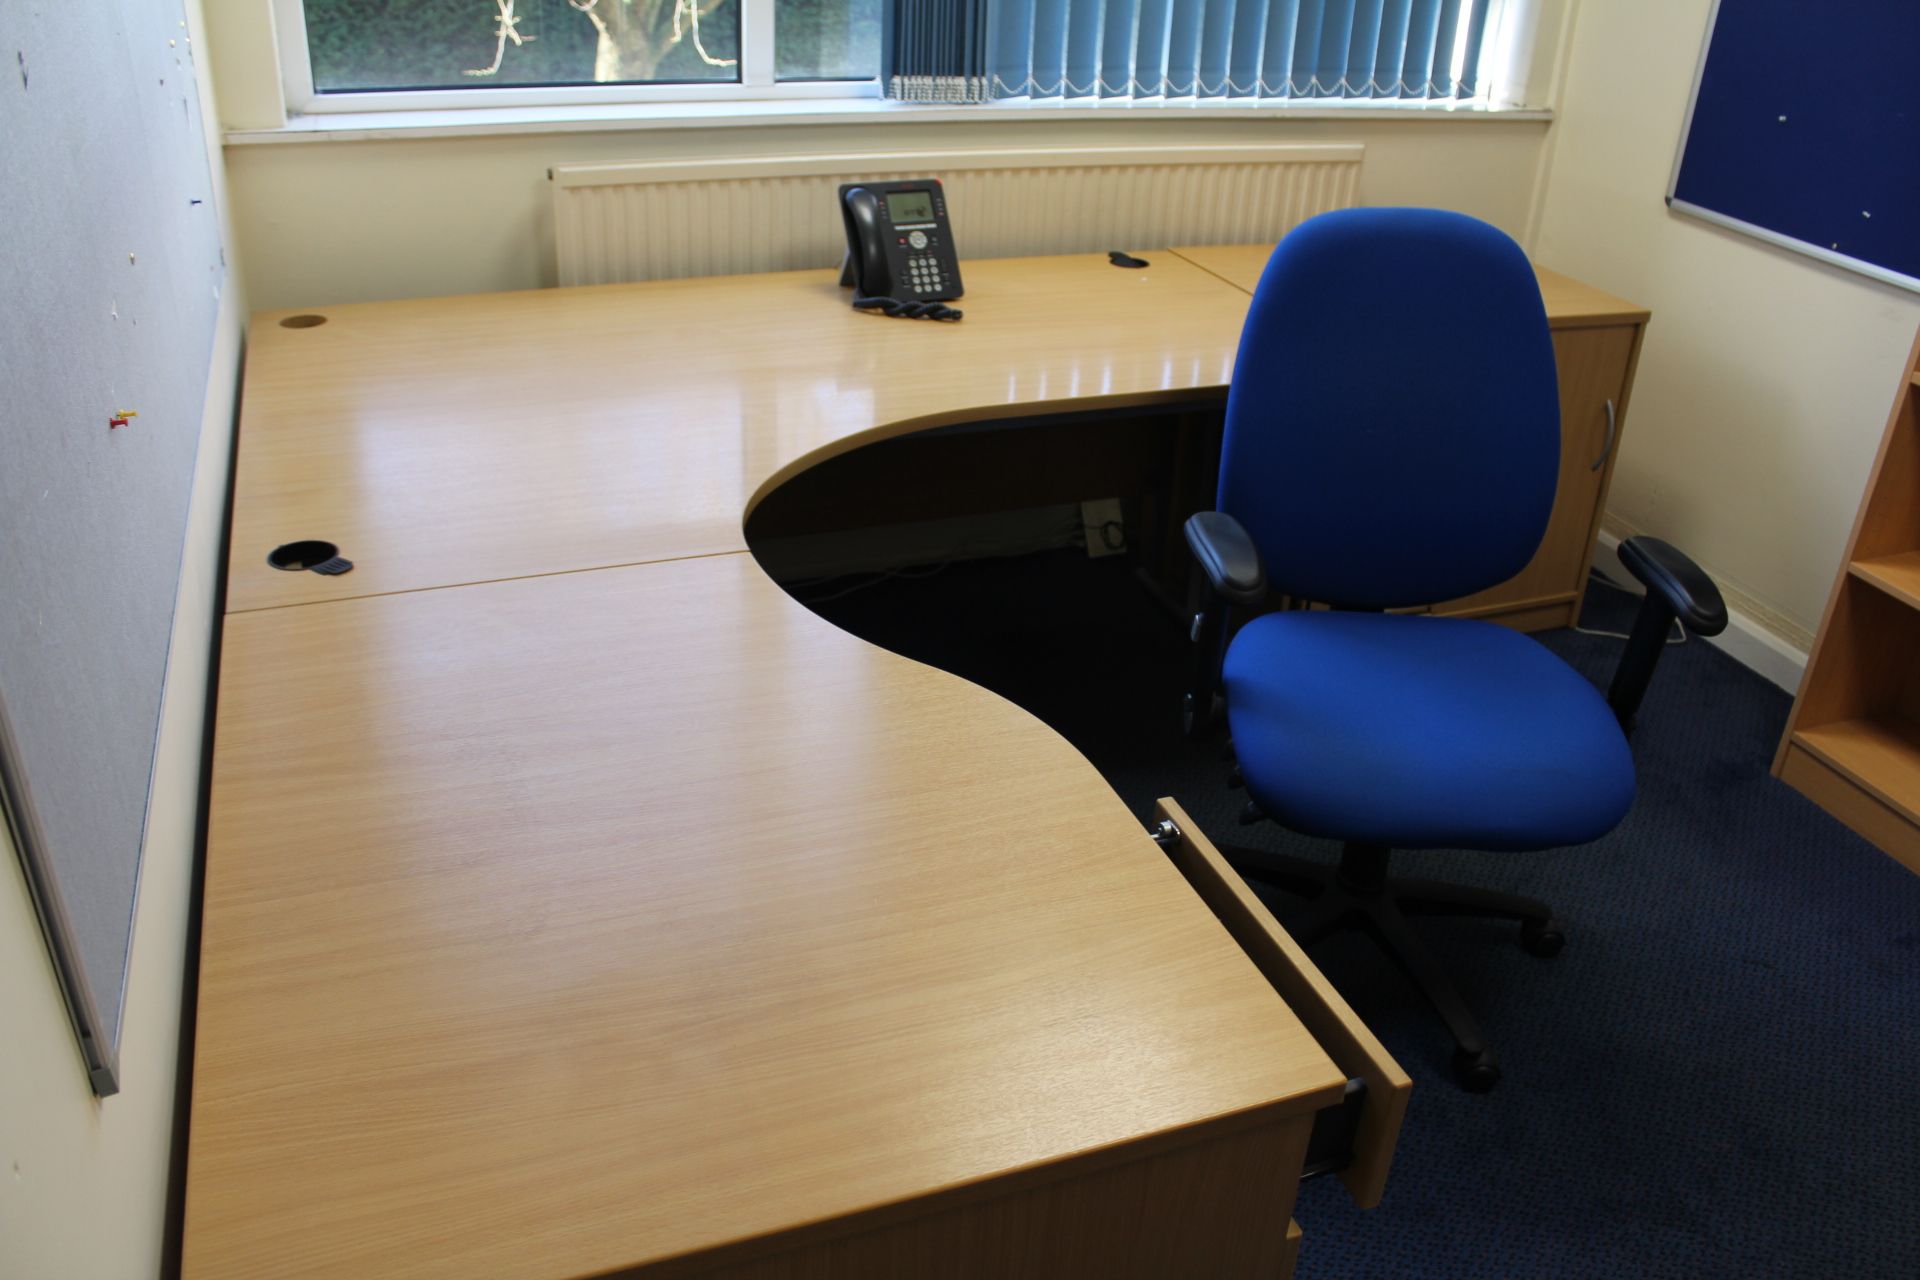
{"points": [[906, 310]]}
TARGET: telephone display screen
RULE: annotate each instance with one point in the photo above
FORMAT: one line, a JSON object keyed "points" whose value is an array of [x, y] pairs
{"points": [[910, 206]]}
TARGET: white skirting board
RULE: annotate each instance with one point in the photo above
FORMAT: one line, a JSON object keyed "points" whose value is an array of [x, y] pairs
{"points": [[1745, 639]]}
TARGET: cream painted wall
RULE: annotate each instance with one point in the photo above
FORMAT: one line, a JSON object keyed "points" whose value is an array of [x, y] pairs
{"points": [[1765, 378], [83, 1180], [330, 222], [246, 63]]}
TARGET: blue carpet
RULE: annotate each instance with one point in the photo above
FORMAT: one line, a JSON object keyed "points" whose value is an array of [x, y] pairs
{"points": [[1719, 1076]]}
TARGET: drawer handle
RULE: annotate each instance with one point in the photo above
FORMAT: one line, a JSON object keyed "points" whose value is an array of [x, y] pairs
{"points": [[1330, 1145], [1613, 433]]}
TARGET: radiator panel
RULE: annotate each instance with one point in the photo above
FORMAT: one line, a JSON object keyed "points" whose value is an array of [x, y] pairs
{"points": [[662, 221]]}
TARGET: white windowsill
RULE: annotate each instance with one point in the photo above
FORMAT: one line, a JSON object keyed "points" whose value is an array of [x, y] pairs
{"points": [[391, 126]]}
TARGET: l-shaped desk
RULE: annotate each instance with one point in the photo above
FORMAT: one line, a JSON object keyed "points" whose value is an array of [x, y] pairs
{"points": [[578, 904]]}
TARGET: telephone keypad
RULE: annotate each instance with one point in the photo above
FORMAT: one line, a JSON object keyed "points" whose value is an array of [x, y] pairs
{"points": [[923, 273]]}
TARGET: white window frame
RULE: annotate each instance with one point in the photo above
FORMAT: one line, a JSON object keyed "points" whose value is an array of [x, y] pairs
{"points": [[1505, 72], [756, 82]]}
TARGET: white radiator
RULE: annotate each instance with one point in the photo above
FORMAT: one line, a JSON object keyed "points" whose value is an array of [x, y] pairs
{"points": [[659, 221]]}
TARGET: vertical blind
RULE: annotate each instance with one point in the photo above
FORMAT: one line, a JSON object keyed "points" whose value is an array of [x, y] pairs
{"points": [[974, 50]]}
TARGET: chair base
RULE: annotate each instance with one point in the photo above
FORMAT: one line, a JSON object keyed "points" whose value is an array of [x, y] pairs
{"points": [[1358, 892]]}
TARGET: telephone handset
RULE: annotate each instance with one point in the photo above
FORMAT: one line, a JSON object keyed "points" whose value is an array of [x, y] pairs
{"points": [[900, 255]]}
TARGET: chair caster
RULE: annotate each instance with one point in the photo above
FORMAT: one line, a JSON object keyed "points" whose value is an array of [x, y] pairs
{"points": [[1476, 1072], [1542, 938]]}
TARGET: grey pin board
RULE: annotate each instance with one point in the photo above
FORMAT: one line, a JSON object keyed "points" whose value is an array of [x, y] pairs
{"points": [[110, 274], [1803, 131]]}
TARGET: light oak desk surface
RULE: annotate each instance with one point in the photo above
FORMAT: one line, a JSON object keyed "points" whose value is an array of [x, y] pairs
{"points": [[1570, 304], [577, 921], [583, 921], [453, 440]]}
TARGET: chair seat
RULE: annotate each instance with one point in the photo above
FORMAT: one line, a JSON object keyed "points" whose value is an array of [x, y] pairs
{"points": [[1419, 732]]}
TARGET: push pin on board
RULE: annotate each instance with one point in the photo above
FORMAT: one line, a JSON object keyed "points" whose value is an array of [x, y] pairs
{"points": [[119, 419]]}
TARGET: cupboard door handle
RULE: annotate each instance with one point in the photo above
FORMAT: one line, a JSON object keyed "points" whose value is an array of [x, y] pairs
{"points": [[1613, 433]]}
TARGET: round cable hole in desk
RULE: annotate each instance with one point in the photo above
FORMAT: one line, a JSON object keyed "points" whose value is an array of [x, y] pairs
{"points": [[312, 553], [303, 322]]}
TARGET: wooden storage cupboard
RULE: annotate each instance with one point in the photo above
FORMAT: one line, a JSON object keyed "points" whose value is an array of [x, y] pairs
{"points": [[1852, 743], [1596, 344]]}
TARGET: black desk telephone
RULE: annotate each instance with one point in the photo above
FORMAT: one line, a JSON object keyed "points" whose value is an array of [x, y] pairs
{"points": [[900, 255]]}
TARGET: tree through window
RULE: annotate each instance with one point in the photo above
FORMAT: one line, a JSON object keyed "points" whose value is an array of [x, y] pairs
{"points": [[383, 45]]}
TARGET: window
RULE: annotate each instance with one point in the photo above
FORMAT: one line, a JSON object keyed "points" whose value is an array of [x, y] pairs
{"points": [[978, 50], [385, 54], [381, 54], [826, 40]]}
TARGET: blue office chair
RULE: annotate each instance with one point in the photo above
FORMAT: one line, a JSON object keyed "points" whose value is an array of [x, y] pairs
{"points": [[1392, 440]]}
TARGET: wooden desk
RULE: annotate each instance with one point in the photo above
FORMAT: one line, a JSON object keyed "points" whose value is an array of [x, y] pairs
{"points": [[632, 921], [565, 919], [600, 919], [1570, 304], [453, 440], [1596, 344]]}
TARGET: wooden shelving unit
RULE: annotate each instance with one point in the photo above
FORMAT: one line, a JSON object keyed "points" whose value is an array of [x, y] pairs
{"points": [[1897, 575], [1852, 743]]}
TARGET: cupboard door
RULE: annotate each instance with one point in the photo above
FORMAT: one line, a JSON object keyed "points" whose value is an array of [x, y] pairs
{"points": [[1312, 998], [1593, 365]]}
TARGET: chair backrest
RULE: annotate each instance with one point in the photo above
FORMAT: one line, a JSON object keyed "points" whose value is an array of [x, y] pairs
{"points": [[1393, 426]]}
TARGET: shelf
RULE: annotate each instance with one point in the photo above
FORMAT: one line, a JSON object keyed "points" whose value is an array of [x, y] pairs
{"points": [[1852, 744], [1897, 575], [1879, 755]]}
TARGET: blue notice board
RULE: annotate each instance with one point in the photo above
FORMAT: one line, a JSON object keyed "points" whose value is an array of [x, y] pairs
{"points": [[1803, 131]]}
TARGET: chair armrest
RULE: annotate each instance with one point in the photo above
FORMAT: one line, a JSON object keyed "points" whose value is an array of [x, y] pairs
{"points": [[1234, 576], [1689, 593], [1676, 588], [1227, 556]]}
